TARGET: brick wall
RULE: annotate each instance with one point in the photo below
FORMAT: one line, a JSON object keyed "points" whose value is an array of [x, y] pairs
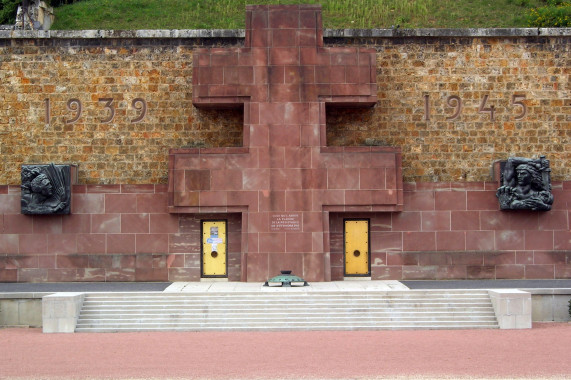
{"points": [[416, 76]]}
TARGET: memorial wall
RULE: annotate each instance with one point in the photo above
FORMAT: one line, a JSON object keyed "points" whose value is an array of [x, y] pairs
{"points": [[114, 104]]}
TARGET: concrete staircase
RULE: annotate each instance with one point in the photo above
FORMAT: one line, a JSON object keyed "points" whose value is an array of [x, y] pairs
{"points": [[286, 311]]}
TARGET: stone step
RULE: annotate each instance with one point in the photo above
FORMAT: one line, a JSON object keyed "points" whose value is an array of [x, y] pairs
{"points": [[171, 310], [263, 311], [264, 315], [393, 325]]}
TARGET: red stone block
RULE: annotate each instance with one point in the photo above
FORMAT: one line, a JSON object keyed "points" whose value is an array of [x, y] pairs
{"points": [[539, 271], [464, 220], [510, 271], [419, 272], [226, 179], [272, 242], [10, 204], [509, 240], [298, 200], [284, 56], [286, 179], [524, 257], [450, 200], [151, 274], [553, 220], [88, 203], [135, 223], [406, 221], [434, 258], [62, 243], [298, 241], [76, 223], [435, 220], [563, 271], [346, 179], [9, 243], [18, 224], [538, 240], [494, 220], [15, 262], [120, 203], [47, 224], [452, 272], [213, 198], [121, 243], [500, 258], [90, 275], [482, 200], [419, 241], [257, 270], [33, 275], [120, 275], [562, 240], [137, 189], [386, 241], [378, 259], [106, 223], [91, 243], [164, 223], [371, 178], [184, 274], [152, 243], [284, 38], [272, 201], [524, 220], [44, 261], [72, 261], [386, 273], [152, 203], [418, 200], [450, 240], [313, 267], [283, 18], [62, 275], [549, 257], [402, 258], [481, 272], [33, 244], [8, 275]]}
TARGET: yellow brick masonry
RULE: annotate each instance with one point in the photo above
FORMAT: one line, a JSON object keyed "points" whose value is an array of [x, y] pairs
{"points": [[421, 81]]}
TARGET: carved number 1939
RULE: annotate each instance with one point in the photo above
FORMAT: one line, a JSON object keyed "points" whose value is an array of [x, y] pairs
{"points": [[75, 107]]}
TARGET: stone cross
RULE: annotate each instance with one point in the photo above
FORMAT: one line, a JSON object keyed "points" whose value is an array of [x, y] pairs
{"points": [[284, 180]]}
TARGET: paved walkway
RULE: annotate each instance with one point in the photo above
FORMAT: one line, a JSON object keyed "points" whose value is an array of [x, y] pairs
{"points": [[189, 287], [541, 352]]}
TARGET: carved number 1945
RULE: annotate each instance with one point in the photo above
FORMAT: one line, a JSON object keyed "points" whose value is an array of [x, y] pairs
{"points": [[455, 102]]}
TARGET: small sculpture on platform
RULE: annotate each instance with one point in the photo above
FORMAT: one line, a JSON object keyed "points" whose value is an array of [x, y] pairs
{"points": [[46, 189], [526, 185]]}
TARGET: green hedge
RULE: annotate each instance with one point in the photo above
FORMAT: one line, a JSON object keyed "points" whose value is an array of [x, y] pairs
{"points": [[557, 13]]}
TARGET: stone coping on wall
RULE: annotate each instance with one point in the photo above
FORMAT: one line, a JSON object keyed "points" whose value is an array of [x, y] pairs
{"points": [[327, 33]]}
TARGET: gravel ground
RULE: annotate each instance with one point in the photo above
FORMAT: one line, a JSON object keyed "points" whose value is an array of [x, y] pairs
{"points": [[542, 352]]}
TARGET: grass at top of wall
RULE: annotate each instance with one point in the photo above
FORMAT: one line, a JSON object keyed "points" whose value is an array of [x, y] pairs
{"points": [[337, 14]]}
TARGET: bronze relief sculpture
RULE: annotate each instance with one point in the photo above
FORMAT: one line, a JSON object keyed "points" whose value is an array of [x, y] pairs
{"points": [[526, 185], [46, 189]]}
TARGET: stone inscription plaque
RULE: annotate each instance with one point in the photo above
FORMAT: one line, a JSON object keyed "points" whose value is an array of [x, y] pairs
{"points": [[285, 222]]}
